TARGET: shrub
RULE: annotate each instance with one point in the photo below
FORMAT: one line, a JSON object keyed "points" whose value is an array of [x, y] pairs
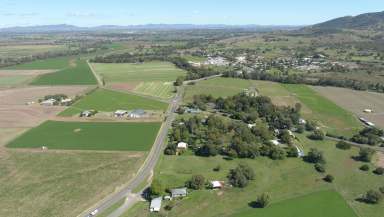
{"points": [[381, 189], [317, 135], [379, 171], [240, 176], [366, 154], [217, 168], [157, 188], [329, 178], [320, 168], [372, 197], [343, 145], [364, 167], [263, 200], [315, 156]]}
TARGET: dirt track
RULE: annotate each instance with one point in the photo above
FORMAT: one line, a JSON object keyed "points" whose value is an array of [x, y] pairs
{"points": [[356, 102]]}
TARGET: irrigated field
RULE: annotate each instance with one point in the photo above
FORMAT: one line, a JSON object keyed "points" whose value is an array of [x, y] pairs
{"points": [[89, 136], [319, 204], [356, 101], [78, 73], [151, 78], [330, 116], [108, 101], [52, 63], [60, 183]]}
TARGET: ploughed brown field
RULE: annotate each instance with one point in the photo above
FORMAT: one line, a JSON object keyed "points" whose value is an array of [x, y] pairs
{"points": [[357, 102]]}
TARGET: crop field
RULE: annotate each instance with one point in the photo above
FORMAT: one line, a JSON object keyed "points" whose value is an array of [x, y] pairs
{"points": [[320, 204], [52, 63], [14, 80], [61, 183], [78, 73], [331, 116], [158, 89], [16, 51], [108, 101], [286, 181], [127, 72], [89, 136], [356, 102]]}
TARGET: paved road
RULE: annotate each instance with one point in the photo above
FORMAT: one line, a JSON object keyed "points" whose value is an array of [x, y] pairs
{"points": [[149, 164], [376, 148]]}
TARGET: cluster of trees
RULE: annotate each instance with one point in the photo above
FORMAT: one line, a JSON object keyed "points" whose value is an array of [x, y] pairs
{"points": [[241, 175], [371, 136], [366, 154], [232, 136]]}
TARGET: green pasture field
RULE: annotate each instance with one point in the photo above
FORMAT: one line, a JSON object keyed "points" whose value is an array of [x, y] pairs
{"points": [[108, 100], [17, 51], [283, 180], [160, 89], [130, 72], [319, 204], [14, 80], [332, 117], [52, 63], [78, 73], [89, 136], [61, 183]]}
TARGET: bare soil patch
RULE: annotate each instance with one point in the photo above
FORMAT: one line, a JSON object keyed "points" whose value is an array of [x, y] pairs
{"points": [[123, 86], [380, 159], [356, 102], [4, 73]]}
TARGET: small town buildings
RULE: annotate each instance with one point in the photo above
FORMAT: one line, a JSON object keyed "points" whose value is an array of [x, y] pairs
{"points": [[217, 184], [179, 192], [120, 113], [48, 102], [182, 145], [155, 204], [138, 113]]}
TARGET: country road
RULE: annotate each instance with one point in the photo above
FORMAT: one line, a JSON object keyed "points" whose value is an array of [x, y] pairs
{"points": [[148, 165]]}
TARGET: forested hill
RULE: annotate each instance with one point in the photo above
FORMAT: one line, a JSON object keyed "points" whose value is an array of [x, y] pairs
{"points": [[368, 21]]}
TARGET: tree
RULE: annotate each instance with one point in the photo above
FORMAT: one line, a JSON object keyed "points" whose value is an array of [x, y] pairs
{"points": [[366, 154], [329, 178], [263, 200], [320, 168], [292, 151], [197, 182], [364, 167], [315, 156], [157, 188], [379, 171], [240, 176], [372, 197], [286, 137], [343, 145], [317, 135], [179, 81]]}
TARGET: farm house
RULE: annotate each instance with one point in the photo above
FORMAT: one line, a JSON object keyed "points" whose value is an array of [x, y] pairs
{"points": [[179, 192], [155, 205]]}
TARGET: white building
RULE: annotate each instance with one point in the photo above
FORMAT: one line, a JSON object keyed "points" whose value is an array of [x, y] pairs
{"points": [[275, 142], [120, 113], [138, 113], [155, 205], [182, 145], [48, 102], [179, 192], [216, 184], [368, 110]]}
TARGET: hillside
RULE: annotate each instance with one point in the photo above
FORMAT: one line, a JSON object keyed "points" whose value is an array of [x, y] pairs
{"points": [[368, 21]]}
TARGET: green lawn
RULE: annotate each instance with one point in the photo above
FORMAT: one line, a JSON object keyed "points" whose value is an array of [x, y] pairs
{"points": [[108, 101], [319, 204], [89, 136], [52, 63], [160, 89], [333, 118], [78, 73], [129, 72]]}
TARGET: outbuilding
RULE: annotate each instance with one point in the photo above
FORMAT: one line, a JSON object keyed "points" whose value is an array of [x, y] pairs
{"points": [[155, 204], [179, 192], [182, 145], [48, 102], [138, 113], [120, 113], [217, 184]]}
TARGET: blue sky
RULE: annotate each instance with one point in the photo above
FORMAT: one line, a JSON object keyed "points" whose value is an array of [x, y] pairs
{"points": [[120, 12]]}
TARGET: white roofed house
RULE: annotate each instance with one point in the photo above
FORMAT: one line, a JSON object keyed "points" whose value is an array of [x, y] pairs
{"points": [[179, 192], [48, 102], [120, 113], [217, 184], [182, 145], [155, 204]]}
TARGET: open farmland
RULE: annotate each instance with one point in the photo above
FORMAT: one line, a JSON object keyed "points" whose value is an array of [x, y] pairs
{"points": [[108, 101], [89, 136], [356, 101], [78, 73], [285, 180], [50, 183], [332, 117], [151, 78], [50, 64], [17, 51], [319, 204], [13, 78], [15, 112]]}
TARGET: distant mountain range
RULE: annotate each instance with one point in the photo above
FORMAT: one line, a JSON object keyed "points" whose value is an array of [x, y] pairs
{"points": [[71, 28], [368, 21]]}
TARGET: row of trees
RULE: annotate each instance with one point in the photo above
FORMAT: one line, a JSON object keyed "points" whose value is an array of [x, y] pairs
{"points": [[371, 136]]}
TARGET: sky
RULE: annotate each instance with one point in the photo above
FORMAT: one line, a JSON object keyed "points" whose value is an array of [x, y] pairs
{"points": [[128, 12]]}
